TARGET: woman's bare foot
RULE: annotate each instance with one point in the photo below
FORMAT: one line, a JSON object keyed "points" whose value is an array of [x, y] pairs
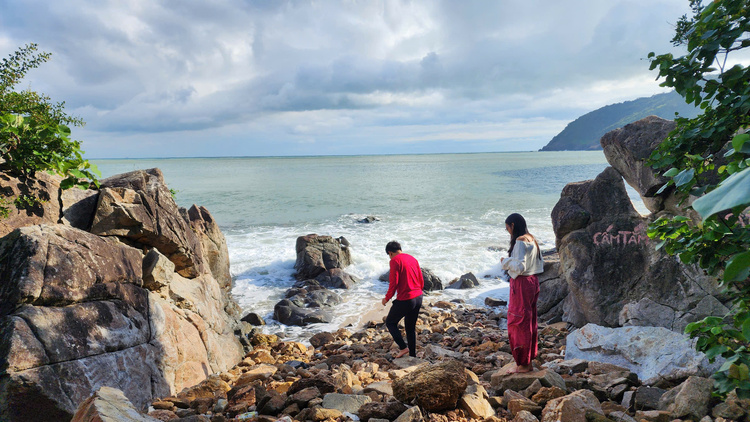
{"points": [[523, 368], [402, 353]]}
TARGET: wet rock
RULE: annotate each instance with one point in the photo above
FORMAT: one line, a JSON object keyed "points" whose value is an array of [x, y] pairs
{"points": [[431, 281], [253, 319], [336, 278], [368, 220], [316, 254], [488, 301], [466, 281], [432, 387], [304, 309]]}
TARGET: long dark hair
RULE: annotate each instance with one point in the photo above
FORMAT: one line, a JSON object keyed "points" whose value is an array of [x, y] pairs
{"points": [[518, 224]]}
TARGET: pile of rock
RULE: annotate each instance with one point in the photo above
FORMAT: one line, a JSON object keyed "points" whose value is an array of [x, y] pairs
{"points": [[463, 372], [319, 265]]}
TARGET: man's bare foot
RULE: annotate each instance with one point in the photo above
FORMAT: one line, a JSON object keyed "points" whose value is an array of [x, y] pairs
{"points": [[402, 353]]}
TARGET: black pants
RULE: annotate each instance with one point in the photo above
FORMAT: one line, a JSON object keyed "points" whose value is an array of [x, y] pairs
{"points": [[409, 310]]}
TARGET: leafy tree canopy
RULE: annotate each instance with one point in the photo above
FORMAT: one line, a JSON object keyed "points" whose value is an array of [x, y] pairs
{"points": [[34, 131], [708, 162]]}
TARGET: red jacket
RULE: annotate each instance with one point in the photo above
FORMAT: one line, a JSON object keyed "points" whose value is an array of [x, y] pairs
{"points": [[405, 278]]}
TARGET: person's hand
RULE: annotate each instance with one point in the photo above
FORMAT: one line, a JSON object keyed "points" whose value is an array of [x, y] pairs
{"points": [[384, 301]]}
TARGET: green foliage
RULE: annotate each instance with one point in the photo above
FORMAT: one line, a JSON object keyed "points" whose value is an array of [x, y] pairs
{"points": [[708, 157], [34, 132]]}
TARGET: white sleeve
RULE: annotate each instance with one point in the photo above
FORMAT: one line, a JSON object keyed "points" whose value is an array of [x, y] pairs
{"points": [[516, 263]]}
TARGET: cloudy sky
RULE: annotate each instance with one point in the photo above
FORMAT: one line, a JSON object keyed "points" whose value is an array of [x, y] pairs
{"points": [[169, 78]]}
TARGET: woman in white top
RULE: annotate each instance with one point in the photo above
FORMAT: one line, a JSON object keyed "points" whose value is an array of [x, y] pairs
{"points": [[523, 263]]}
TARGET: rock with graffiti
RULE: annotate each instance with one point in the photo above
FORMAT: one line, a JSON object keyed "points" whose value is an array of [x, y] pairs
{"points": [[614, 275]]}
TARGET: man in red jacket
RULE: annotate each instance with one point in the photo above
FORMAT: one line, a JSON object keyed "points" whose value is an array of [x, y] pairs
{"points": [[406, 282]]}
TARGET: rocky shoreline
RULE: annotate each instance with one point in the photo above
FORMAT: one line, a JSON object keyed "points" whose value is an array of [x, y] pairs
{"points": [[461, 373], [115, 305]]}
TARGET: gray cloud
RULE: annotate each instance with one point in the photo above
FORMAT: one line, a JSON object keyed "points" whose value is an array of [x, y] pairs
{"points": [[144, 68]]}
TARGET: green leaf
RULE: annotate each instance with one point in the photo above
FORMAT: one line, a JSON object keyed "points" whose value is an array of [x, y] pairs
{"points": [[684, 177], [671, 172], [738, 269], [734, 191], [739, 140]]}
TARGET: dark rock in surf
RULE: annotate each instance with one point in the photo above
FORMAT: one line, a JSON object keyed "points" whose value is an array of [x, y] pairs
{"points": [[336, 278], [466, 281], [317, 254]]}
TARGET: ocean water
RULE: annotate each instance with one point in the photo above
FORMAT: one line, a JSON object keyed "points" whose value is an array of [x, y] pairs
{"points": [[447, 210]]}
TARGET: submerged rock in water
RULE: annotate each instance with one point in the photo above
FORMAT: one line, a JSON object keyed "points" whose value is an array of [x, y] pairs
{"points": [[466, 281]]}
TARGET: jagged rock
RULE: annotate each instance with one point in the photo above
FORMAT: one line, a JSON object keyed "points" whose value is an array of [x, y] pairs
{"points": [[412, 414], [525, 416], [78, 207], [44, 186], [316, 254], [689, 399], [654, 353], [491, 302], [518, 381], [319, 340], [627, 150], [368, 220], [380, 387], [345, 402], [545, 394], [609, 262], [336, 278], [466, 281], [572, 408], [139, 207], [253, 319], [474, 402], [552, 290], [213, 245], [304, 309], [652, 416], [257, 372], [109, 405], [647, 398], [431, 281], [322, 383], [377, 410], [432, 387]]}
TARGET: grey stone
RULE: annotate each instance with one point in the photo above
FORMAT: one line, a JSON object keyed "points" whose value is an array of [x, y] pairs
{"points": [[345, 402]]}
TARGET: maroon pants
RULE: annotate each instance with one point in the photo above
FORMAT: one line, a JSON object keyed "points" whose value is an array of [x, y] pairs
{"points": [[522, 325]]}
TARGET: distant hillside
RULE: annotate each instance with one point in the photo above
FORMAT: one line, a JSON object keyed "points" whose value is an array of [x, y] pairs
{"points": [[584, 132]]}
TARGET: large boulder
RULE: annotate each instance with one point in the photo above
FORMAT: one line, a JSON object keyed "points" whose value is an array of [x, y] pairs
{"points": [[43, 186], [307, 307], [336, 278], [432, 387], [655, 354], [552, 290], [213, 244], [316, 254], [608, 262], [75, 316], [627, 149], [139, 207], [572, 408]]}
